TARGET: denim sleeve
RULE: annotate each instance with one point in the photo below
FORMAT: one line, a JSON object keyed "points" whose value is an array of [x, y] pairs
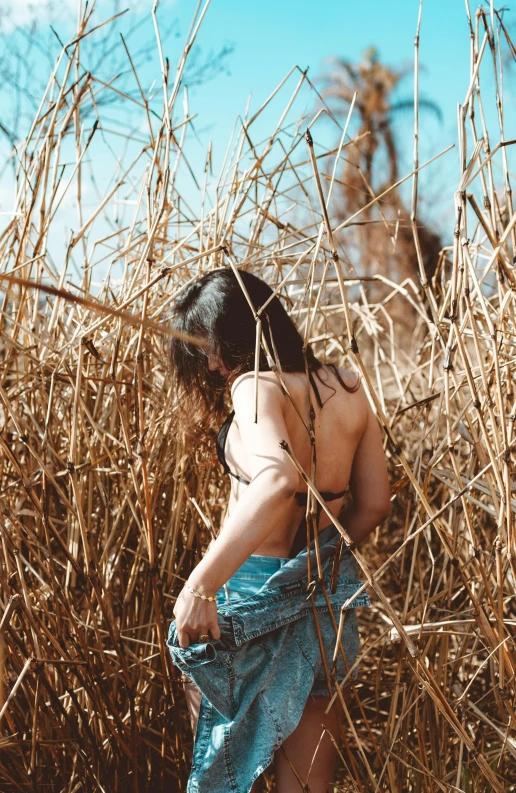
{"points": [[209, 665]]}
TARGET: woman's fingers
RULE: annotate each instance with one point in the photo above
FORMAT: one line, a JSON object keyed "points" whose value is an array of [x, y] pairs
{"points": [[214, 630], [183, 638], [187, 636], [194, 619]]}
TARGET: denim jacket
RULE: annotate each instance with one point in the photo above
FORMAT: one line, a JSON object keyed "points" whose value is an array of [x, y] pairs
{"points": [[256, 678]]}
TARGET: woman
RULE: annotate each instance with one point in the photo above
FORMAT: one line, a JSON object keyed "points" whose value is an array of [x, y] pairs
{"points": [[263, 541]]}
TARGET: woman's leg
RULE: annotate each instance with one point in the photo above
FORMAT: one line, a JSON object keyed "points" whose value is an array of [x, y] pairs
{"points": [[193, 701], [312, 756]]}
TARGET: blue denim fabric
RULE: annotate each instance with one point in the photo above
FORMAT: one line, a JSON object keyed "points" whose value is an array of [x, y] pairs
{"points": [[256, 679], [250, 577]]}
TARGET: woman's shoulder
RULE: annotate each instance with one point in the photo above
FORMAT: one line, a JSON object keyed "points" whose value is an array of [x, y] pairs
{"points": [[270, 395], [267, 382]]}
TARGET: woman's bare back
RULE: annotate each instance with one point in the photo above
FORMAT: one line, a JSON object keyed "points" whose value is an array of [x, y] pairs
{"points": [[339, 426]]}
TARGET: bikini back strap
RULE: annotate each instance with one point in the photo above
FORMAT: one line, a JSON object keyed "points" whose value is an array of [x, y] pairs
{"points": [[302, 498]]}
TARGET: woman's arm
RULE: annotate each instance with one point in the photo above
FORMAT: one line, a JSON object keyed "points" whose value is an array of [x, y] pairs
{"points": [[264, 502], [368, 483], [267, 499]]}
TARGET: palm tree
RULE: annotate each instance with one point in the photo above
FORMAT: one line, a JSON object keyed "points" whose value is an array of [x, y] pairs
{"points": [[371, 166]]}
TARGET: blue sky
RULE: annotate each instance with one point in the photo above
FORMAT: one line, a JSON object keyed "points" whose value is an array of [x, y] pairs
{"points": [[269, 38]]}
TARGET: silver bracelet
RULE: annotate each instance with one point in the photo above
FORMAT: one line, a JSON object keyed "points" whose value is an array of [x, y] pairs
{"points": [[198, 594]]}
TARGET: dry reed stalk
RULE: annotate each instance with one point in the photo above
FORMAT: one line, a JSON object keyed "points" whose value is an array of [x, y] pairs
{"points": [[104, 513]]}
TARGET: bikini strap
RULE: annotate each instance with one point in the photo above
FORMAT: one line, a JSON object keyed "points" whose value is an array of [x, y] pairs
{"points": [[302, 498], [220, 442], [339, 378], [220, 445], [314, 386]]}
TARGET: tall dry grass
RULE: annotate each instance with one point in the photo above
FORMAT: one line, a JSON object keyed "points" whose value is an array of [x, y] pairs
{"points": [[103, 514]]}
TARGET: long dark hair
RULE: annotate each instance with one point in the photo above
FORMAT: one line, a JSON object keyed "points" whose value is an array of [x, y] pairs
{"points": [[215, 308]]}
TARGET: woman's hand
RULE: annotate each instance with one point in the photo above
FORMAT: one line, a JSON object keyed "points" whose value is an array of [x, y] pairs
{"points": [[194, 617]]}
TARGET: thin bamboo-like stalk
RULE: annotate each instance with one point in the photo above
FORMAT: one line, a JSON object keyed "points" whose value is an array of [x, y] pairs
{"points": [[104, 512]]}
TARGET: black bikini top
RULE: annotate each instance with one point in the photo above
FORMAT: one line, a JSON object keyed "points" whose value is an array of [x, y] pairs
{"points": [[301, 497]]}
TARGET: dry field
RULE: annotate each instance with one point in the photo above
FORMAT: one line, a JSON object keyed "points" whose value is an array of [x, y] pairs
{"points": [[103, 513]]}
